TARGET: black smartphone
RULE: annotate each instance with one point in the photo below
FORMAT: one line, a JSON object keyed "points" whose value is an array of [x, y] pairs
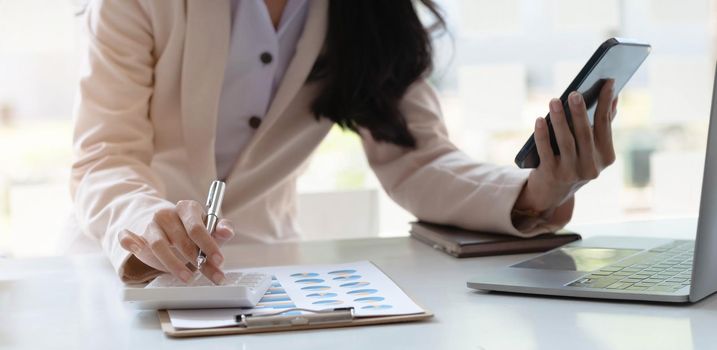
{"points": [[616, 59]]}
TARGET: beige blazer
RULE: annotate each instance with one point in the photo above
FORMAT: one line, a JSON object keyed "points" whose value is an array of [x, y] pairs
{"points": [[145, 128]]}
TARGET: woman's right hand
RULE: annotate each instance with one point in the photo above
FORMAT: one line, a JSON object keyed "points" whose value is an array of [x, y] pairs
{"points": [[171, 242]]}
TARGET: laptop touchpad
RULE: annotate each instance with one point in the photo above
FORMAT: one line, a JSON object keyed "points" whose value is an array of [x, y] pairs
{"points": [[577, 259]]}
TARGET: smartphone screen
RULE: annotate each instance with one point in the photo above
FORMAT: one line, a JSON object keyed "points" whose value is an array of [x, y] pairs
{"points": [[619, 63], [615, 59]]}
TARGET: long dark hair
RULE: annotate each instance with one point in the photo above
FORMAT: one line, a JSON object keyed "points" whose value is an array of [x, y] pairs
{"points": [[374, 50]]}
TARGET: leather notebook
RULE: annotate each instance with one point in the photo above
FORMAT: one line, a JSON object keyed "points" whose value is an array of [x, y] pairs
{"points": [[464, 243]]}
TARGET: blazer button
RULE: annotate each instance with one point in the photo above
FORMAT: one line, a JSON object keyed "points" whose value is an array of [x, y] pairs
{"points": [[254, 122], [266, 58]]}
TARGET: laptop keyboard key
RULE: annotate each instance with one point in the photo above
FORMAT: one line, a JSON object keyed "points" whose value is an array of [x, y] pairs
{"points": [[595, 283], [632, 280], [663, 289], [619, 285]]}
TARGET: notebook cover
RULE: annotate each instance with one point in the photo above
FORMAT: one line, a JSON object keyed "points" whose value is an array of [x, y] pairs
{"points": [[465, 243]]}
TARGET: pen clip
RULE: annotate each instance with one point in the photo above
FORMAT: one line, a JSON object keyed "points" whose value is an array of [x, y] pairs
{"points": [[310, 317], [215, 197]]}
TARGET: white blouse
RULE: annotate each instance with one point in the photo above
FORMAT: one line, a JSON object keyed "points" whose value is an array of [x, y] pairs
{"points": [[259, 55]]}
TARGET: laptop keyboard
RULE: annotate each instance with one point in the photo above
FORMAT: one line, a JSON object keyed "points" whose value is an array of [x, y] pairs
{"points": [[667, 268]]}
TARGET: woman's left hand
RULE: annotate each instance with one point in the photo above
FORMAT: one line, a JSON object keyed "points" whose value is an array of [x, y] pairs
{"points": [[582, 156]]}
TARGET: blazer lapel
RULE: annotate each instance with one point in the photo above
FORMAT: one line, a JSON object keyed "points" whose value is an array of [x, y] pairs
{"points": [[206, 47], [307, 50]]}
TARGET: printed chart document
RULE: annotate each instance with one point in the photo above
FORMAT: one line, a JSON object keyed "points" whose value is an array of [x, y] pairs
{"points": [[316, 287]]}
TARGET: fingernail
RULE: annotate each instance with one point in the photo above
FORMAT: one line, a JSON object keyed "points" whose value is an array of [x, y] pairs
{"points": [[538, 124], [554, 105], [224, 233], [134, 248], [185, 276], [218, 278], [574, 97], [217, 259]]}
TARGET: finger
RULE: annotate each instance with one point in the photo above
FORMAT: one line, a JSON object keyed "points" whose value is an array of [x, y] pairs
{"points": [[603, 114], [140, 248], [224, 232], [608, 152], [192, 214], [172, 226], [213, 273], [542, 143], [563, 135], [131, 241], [614, 109], [581, 129], [159, 245], [587, 167]]}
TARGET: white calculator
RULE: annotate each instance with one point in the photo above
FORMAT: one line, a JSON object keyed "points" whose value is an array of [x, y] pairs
{"points": [[169, 292]]}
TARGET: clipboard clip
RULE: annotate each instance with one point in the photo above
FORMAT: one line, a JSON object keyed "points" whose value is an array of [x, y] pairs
{"points": [[308, 317]]}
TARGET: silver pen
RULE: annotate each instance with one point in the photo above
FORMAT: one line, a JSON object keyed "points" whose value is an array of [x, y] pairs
{"points": [[213, 206]]}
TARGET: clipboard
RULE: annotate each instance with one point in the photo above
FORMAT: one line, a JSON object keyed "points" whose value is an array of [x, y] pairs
{"points": [[286, 320], [277, 322]]}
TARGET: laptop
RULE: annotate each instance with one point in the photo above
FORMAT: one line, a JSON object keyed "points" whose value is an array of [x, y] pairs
{"points": [[626, 268]]}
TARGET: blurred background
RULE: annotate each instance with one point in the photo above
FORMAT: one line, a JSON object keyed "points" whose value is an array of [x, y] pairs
{"points": [[496, 70]]}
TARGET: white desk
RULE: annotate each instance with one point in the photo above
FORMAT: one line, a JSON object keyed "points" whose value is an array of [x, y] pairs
{"points": [[74, 303]]}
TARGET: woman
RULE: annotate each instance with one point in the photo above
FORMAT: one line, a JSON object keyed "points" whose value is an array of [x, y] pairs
{"points": [[178, 94]]}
